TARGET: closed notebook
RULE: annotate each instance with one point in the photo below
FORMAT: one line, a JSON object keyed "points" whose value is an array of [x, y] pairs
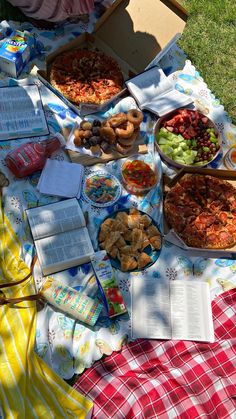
{"points": [[61, 178]]}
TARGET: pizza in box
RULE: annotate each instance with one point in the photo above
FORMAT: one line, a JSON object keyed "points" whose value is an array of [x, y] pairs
{"points": [[86, 76], [201, 209]]}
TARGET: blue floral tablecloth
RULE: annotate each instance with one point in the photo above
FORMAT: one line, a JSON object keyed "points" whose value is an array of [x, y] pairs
{"points": [[66, 345]]}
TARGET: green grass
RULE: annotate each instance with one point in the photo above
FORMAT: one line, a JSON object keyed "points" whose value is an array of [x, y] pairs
{"points": [[209, 40]]}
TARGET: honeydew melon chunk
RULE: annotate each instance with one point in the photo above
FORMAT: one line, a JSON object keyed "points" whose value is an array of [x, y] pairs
{"points": [[163, 140], [167, 149], [178, 152], [189, 160], [183, 145], [181, 161], [175, 138]]}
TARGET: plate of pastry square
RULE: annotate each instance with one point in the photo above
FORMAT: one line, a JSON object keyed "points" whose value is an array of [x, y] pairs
{"points": [[131, 238]]}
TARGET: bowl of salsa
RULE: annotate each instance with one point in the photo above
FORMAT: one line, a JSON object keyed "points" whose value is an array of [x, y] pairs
{"points": [[138, 176]]}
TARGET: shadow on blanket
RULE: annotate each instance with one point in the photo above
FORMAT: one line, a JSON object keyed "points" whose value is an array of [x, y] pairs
{"points": [[177, 379]]}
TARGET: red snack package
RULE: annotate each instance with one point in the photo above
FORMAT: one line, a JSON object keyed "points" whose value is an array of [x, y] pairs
{"points": [[30, 157]]}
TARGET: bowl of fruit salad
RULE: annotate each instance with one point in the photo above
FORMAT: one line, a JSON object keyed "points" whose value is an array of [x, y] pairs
{"points": [[186, 137]]}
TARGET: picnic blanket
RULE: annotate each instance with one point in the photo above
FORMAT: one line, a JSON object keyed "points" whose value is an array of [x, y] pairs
{"points": [[28, 387], [169, 379], [64, 344]]}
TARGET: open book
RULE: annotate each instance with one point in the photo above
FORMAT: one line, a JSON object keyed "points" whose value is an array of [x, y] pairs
{"points": [[60, 235], [178, 310], [154, 92], [22, 113]]}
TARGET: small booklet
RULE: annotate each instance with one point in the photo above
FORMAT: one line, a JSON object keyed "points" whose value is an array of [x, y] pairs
{"points": [[22, 113], [61, 178], [154, 92], [178, 310], [60, 235]]}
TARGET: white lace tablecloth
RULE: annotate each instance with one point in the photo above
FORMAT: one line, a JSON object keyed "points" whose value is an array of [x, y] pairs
{"points": [[66, 345]]}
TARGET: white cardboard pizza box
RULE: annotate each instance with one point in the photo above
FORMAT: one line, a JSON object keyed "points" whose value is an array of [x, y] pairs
{"points": [[171, 236], [133, 32]]}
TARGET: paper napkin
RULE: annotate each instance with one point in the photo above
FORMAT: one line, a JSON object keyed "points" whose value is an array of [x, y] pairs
{"points": [[61, 178]]}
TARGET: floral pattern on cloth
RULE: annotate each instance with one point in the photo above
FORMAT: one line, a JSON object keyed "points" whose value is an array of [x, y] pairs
{"points": [[66, 345]]}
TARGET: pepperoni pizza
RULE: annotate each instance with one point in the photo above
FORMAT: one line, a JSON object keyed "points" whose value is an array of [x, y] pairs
{"points": [[202, 211], [86, 76]]}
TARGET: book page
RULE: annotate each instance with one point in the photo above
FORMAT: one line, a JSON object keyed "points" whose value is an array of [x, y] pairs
{"points": [[22, 113], [64, 250], [154, 92], [149, 84], [167, 102], [150, 308], [191, 315], [55, 218]]}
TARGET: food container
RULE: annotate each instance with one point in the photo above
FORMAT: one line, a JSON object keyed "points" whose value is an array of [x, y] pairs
{"points": [[101, 189], [230, 158], [139, 174], [148, 32], [204, 129], [16, 51], [173, 237], [150, 250]]}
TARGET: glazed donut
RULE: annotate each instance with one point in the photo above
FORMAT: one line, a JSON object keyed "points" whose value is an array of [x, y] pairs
{"points": [[128, 141], [125, 132], [108, 134], [123, 150], [117, 119], [135, 116]]}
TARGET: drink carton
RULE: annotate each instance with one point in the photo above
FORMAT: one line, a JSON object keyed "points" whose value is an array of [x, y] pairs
{"points": [[111, 295], [16, 51]]}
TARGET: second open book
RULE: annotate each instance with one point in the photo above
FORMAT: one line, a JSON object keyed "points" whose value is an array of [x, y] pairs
{"points": [[178, 310], [60, 235], [154, 92]]}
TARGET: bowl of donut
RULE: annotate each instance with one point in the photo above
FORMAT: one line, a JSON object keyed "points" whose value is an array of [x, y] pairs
{"points": [[131, 238], [118, 132]]}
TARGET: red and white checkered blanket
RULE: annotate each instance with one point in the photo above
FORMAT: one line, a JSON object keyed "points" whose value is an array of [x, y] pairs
{"points": [[169, 379]]}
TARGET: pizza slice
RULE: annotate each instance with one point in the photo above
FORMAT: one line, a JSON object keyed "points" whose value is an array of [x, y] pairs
{"points": [[193, 237], [219, 237]]}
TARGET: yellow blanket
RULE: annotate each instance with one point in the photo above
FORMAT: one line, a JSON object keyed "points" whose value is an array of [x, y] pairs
{"points": [[28, 387]]}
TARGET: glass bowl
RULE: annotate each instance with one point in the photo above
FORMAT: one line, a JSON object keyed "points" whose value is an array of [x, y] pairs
{"points": [[139, 174]]}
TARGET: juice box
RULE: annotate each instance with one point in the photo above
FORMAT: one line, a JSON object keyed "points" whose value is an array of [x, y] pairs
{"points": [[111, 295], [71, 302], [16, 51]]}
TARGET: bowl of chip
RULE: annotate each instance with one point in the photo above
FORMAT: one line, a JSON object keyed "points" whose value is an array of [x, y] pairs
{"points": [[186, 137]]}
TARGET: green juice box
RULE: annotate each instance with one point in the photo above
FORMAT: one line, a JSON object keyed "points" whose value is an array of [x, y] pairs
{"points": [[111, 295]]}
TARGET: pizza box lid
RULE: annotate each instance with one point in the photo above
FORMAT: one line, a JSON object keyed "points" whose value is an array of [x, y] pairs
{"points": [[138, 30], [172, 237], [133, 32]]}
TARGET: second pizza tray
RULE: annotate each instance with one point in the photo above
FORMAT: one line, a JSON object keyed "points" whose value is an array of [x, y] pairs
{"points": [[171, 236]]}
